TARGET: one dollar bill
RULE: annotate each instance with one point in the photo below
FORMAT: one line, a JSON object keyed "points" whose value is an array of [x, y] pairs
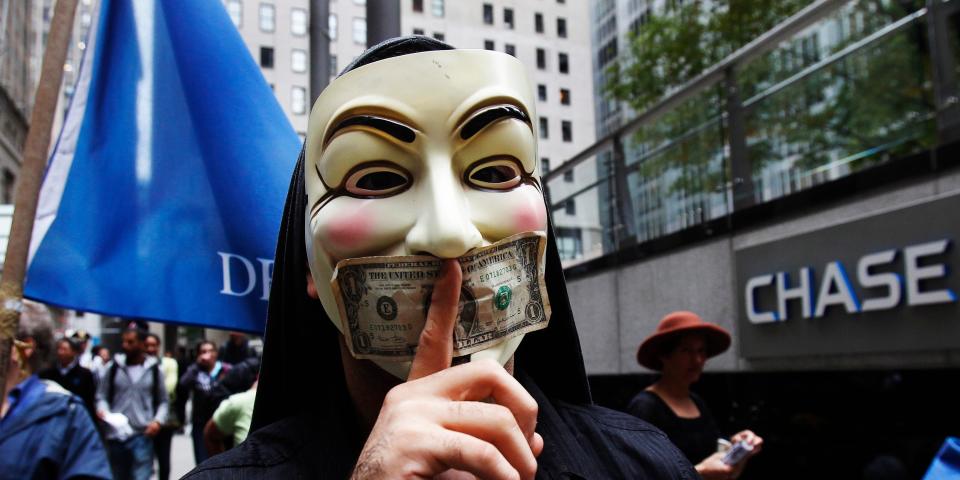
{"points": [[383, 301]]}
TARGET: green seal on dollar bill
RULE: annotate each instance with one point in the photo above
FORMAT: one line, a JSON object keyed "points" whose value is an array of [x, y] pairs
{"points": [[502, 298]]}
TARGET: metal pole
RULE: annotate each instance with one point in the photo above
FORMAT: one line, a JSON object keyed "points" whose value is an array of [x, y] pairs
{"points": [[31, 175], [943, 65], [383, 20], [741, 171], [319, 47]]}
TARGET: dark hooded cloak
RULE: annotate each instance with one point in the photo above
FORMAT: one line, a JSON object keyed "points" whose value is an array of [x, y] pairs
{"points": [[304, 421]]}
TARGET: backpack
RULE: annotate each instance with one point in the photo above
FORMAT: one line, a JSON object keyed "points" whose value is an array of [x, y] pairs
{"points": [[154, 385]]}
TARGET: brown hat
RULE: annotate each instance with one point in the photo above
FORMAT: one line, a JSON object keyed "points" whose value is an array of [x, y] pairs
{"points": [[676, 324]]}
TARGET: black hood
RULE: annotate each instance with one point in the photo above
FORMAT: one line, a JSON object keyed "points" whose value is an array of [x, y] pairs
{"points": [[302, 371]]}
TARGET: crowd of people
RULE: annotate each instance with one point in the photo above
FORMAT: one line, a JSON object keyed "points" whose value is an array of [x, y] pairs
{"points": [[73, 411]]}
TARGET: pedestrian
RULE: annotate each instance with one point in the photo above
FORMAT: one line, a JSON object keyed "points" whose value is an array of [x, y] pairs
{"points": [[132, 401], [203, 380], [45, 431], [164, 438], [83, 341], [67, 372], [425, 149], [679, 349], [231, 421], [101, 357], [237, 349]]}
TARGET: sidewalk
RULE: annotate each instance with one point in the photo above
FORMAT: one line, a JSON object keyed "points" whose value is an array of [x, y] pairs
{"points": [[181, 456]]}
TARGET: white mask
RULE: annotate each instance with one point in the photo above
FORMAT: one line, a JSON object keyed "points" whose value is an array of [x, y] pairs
{"points": [[428, 153]]}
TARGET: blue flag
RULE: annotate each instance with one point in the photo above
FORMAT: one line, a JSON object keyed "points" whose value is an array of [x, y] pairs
{"points": [[164, 194]]}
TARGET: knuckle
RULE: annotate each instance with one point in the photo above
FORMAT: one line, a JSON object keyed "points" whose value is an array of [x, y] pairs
{"points": [[487, 454], [528, 469], [431, 336], [393, 397], [529, 407], [502, 416]]}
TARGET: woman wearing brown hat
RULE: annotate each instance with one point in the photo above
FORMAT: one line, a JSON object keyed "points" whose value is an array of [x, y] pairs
{"points": [[679, 349]]}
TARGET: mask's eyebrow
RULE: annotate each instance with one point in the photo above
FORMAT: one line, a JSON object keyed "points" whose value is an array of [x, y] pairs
{"points": [[490, 115], [390, 127]]}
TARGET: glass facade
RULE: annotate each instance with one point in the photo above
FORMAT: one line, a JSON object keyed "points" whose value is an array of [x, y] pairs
{"points": [[853, 90]]}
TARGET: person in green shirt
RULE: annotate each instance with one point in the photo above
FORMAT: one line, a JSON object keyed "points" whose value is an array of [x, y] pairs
{"points": [[231, 418]]}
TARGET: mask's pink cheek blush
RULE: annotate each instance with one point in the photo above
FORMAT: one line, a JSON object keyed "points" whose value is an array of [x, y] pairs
{"points": [[530, 215], [347, 231]]}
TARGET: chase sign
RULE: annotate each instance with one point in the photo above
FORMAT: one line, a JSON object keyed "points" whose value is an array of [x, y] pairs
{"points": [[884, 283]]}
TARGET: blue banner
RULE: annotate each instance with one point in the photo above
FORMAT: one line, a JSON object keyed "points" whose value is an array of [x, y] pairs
{"points": [[164, 194]]}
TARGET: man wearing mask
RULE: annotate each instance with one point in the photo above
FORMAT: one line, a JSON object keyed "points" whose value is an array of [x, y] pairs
{"points": [[67, 372], [420, 149], [132, 401], [204, 381], [44, 430]]}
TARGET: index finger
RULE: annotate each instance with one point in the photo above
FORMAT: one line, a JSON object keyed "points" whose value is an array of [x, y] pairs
{"points": [[435, 347]]}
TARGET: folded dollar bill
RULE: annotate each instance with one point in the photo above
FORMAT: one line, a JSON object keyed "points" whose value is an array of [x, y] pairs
{"points": [[383, 301]]}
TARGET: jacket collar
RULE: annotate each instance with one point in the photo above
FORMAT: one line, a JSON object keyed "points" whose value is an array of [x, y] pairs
{"points": [[53, 400], [148, 360]]}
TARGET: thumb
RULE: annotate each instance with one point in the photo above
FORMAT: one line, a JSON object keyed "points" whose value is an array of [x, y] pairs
{"points": [[435, 347]]}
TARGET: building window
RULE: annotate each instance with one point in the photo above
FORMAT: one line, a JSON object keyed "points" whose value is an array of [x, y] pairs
{"points": [[298, 21], [333, 64], [298, 100], [418, 5], [570, 206], [562, 27], [418, 31], [538, 22], [268, 17], [488, 45], [235, 10], [544, 165], [564, 96], [438, 36], [266, 57], [332, 26], [488, 14], [566, 130], [508, 18], [562, 64], [544, 128], [9, 181], [510, 49], [360, 31], [569, 244], [542, 92], [298, 60], [541, 58], [568, 176], [436, 7]]}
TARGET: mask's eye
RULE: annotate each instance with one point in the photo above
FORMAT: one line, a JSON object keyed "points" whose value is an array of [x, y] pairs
{"points": [[501, 174], [377, 181]]}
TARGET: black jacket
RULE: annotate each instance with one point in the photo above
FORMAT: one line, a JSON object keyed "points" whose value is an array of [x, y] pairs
{"points": [[206, 398], [304, 425], [78, 381]]}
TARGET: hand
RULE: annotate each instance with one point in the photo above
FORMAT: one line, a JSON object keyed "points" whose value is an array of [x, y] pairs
{"points": [[439, 423], [751, 438], [713, 468], [152, 429]]}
